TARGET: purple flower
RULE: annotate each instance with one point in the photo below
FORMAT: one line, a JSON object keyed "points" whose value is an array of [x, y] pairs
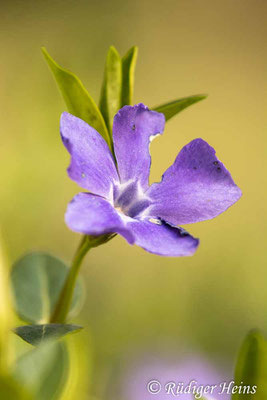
{"points": [[162, 379], [195, 188]]}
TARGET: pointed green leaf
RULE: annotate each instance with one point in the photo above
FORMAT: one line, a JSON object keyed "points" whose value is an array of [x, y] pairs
{"points": [[44, 370], [37, 280], [110, 100], [251, 367], [128, 70], [35, 334], [77, 99], [176, 106]]}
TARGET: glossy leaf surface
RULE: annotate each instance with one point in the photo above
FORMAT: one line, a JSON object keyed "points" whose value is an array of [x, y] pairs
{"points": [[176, 106], [77, 98]]}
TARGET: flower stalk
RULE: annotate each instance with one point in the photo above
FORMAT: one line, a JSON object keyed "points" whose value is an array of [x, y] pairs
{"points": [[64, 302]]}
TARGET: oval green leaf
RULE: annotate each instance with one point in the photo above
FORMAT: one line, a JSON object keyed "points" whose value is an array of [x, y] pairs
{"points": [[110, 99], [251, 367], [36, 334], [128, 71], [44, 370], [37, 280], [176, 106], [77, 98]]}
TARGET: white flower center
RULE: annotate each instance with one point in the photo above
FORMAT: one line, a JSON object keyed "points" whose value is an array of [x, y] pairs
{"points": [[129, 199]]}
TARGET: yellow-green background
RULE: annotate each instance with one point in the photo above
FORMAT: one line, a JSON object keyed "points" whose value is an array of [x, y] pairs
{"points": [[137, 302]]}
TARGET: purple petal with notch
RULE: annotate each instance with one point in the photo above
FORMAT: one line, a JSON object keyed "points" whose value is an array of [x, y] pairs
{"points": [[195, 188], [133, 129]]}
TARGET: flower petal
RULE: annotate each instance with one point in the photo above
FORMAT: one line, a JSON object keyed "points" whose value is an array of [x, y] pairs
{"points": [[195, 188], [93, 215], [92, 165], [133, 129], [161, 238]]}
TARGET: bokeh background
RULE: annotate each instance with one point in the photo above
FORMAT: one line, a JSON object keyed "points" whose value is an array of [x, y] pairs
{"points": [[139, 306]]}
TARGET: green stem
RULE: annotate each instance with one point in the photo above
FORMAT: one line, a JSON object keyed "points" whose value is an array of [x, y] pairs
{"points": [[64, 302]]}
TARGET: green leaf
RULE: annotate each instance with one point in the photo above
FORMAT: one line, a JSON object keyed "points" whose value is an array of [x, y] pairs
{"points": [[251, 367], [128, 70], [176, 106], [37, 280], [36, 334], [77, 99], [110, 100], [44, 370]]}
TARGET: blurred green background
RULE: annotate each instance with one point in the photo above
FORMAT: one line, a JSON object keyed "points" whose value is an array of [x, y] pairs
{"points": [[138, 303]]}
